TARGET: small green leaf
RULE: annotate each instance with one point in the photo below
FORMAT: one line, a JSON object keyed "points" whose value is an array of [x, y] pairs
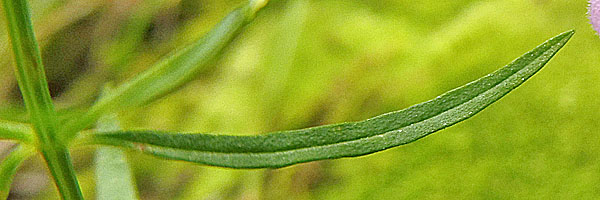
{"points": [[341, 140], [16, 131], [172, 72], [9, 167]]}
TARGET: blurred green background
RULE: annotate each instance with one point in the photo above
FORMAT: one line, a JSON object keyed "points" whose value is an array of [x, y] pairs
{"points": [[304, 63]]}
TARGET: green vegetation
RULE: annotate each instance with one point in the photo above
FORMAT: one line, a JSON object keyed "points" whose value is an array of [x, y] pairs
{"points": [[297, 64]]}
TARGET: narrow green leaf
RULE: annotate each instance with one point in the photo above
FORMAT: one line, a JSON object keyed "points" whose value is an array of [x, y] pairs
{"points": [[172, 72], [33, 86], [16, 131], [341, 140], [9, 167]]}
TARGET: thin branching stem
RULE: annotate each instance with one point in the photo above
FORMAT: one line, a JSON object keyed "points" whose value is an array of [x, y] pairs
{"points": [[34, 88]]}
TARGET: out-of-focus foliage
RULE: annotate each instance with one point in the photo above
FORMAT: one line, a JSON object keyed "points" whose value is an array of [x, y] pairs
{"points": [[303, 63]]}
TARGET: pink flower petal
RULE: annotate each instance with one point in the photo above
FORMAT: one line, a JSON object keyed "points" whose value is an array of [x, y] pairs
{"points": [[594, 14]]}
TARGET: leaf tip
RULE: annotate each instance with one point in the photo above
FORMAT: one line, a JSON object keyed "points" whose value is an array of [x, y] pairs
{"points": [[571, 32], [566, 35], [258, 4], [561, 40]]}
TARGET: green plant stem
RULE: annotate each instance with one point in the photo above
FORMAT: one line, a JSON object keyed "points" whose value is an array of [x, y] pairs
{"points": [[34, 88]]}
